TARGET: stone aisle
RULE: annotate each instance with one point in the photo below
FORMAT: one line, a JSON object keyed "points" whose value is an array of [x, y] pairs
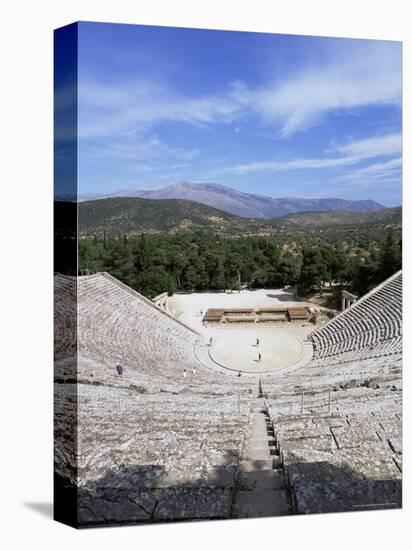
{"points": [[260, 490]]}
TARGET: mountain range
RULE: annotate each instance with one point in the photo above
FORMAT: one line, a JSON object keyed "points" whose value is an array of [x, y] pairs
{"points": [[238, 203], [131, 216]]}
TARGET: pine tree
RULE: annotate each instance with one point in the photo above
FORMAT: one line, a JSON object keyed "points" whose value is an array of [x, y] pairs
{"points": [[390, 257]]}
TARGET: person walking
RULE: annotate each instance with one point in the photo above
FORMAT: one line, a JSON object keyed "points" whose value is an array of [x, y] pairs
{"points": [[194, 371], [257, 342], [210, 340], [259, 357], [184, 373], [119, 369]]}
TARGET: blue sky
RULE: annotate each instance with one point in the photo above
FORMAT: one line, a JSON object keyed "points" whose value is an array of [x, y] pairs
{"points": [[270, 114]]}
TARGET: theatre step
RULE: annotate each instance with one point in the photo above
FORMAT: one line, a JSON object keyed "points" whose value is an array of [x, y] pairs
{"points": [[260, 489], [266, 480], [256, 503]]}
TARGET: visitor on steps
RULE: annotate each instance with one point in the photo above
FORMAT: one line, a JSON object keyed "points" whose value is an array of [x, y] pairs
{"points": [[194, 371], [119, 369]]}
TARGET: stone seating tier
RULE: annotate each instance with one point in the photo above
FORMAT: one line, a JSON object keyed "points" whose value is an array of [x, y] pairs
{"points": [[374, 320], [116, 324], [349, 448], [168, 446], [181, 451]]}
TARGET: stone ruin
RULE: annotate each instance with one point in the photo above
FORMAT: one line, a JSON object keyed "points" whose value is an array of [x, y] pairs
{"points": [[176, 437]]}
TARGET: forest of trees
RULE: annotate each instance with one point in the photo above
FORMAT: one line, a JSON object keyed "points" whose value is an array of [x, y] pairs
{"points": [[358, 273], [205, 261]]}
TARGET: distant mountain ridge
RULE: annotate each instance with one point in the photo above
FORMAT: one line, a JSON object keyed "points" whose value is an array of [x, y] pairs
{"points": [[333, 218], [131, 216], [245, 205]]}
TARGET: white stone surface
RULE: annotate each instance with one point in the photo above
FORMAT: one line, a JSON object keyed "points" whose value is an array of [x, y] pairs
{"points": [[188, 307], [237, 349], [155, 445]]}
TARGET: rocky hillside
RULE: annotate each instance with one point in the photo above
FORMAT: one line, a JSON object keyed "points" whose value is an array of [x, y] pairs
{"points": [[132, 216], [327, 219]]}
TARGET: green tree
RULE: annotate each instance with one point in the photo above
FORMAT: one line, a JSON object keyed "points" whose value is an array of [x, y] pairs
{"points": [[314, 270], [154, 280], [390, 258]]}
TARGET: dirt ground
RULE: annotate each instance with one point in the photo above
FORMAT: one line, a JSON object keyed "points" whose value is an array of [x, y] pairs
{"points": [[234, 347]]}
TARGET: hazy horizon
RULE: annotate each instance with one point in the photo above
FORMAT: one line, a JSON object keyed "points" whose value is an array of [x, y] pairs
{"points": [[291, 196]]}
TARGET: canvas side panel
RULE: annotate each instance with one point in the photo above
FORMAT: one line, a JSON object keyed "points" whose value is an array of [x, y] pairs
{"points": [[65, 271]]}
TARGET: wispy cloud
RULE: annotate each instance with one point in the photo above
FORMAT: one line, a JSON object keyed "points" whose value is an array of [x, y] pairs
{"points": [[106, 110], [190, 154], [359, 78], [138, 147], [389, 144], [351, 153], [365, 76], [375, 173]]}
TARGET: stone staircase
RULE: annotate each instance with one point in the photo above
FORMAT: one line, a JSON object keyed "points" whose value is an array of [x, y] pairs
{"points": [[260, 488]]}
